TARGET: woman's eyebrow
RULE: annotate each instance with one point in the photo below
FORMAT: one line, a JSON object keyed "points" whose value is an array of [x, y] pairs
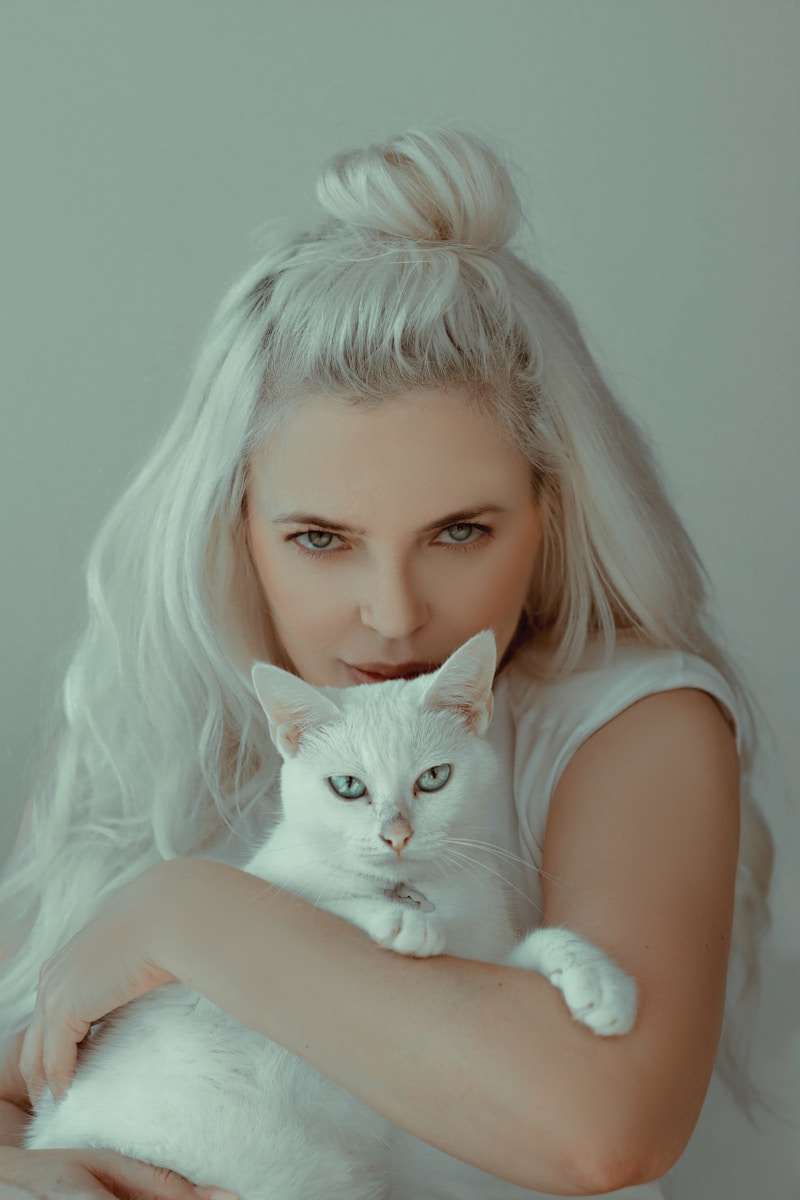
{"points": [[463, 514]]}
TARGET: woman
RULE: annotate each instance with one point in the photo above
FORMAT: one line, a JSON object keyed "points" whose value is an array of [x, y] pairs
{"points": [[367, 395]]}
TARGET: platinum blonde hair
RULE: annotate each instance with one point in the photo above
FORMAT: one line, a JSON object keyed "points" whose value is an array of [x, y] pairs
{"points": [[155, 738]]}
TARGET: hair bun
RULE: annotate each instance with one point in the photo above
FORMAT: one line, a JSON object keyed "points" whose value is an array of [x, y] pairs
{"points": [[438, 185]]}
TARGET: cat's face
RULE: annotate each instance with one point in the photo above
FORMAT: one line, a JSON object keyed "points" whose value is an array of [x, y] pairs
{"points": [[387, 769]]}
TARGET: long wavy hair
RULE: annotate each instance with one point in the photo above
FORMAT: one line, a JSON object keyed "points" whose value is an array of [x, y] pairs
{"points": [[154, 739]]}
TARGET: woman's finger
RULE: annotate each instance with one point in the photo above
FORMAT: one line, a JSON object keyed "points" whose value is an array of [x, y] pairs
{"points": [[30, 1057], [59, 1051]]}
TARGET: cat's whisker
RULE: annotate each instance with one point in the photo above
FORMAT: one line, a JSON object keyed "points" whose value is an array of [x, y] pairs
{"points": [[456, 856], [486, 827], [440, 862], [509, 855], [451, 857], [460, 859], [507, 882], [495, 850], [459, 865]]}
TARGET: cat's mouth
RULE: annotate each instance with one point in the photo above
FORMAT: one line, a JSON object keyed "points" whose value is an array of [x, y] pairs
{"points": [[403, 893]]}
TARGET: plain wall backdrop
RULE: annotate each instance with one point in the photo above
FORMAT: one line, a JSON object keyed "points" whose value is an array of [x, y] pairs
{"points": [[143, 146]]}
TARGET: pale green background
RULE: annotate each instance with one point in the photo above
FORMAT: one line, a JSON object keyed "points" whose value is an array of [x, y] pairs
{"points": [[143, 144]]}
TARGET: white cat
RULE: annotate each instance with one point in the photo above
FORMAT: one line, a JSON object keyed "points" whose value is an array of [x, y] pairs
{"points": [[375, 779]]}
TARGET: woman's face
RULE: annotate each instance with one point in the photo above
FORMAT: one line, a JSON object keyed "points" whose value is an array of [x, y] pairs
{"points": [[351, 526]]}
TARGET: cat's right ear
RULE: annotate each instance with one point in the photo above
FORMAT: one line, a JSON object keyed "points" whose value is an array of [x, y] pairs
{"points": [[292, 706]]}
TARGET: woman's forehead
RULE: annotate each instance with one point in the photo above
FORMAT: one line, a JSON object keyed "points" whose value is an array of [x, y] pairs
{"points": [[327, 446]]}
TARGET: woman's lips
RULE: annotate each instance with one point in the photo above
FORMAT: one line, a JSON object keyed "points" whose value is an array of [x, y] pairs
{"points": [[366, 677]]}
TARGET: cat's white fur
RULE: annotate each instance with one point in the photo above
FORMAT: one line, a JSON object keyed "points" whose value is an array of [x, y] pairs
{"points": [[172, 1079]]}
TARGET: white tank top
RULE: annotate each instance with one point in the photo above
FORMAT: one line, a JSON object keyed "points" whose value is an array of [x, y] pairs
{"points": [[536, 727]]}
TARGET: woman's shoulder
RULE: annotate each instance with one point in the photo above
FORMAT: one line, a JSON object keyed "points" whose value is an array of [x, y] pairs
{"points": [[604, 682], [553, 717]]}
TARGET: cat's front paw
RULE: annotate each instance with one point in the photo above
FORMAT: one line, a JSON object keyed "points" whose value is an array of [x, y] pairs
{"points": [[407, 930], [597, 992]]}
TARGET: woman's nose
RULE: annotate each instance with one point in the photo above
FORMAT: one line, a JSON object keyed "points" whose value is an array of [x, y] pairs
{"points": [[396, 609]]}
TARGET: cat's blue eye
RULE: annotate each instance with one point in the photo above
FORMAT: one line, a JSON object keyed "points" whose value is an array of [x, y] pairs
{"points": [[434, 778], [347, 786]]}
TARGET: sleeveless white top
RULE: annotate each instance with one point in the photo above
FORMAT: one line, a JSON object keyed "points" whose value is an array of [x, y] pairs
{"points": [[536, 727]]}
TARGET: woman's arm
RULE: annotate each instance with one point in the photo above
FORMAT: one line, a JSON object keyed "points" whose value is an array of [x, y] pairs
{"points": [[485, 1062]]}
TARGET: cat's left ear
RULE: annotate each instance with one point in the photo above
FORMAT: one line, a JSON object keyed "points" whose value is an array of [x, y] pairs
{"points": [[292, 706], [464, 682]]}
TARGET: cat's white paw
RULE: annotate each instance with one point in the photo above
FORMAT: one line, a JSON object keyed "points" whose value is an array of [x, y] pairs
{"points": [[597, 992], [406, 930]]}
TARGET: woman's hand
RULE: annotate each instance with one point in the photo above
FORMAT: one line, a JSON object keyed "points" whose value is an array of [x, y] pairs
{"points": [[112, 960], [91, 1173]]}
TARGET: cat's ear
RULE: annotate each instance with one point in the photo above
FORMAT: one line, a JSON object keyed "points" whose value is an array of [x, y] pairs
{"points": [[464, 682], [292, 706]]}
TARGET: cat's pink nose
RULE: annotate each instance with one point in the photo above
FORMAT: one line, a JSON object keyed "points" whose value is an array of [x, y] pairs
{"points": [[397, 843], [398, 835]]}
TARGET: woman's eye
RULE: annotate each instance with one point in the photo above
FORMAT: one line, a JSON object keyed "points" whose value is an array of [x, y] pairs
{"points": [[459, 542], [313, 533], [462, 542]]}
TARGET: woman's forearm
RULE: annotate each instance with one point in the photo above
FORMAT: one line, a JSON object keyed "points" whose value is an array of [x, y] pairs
{"points": [[482, 1061]]}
